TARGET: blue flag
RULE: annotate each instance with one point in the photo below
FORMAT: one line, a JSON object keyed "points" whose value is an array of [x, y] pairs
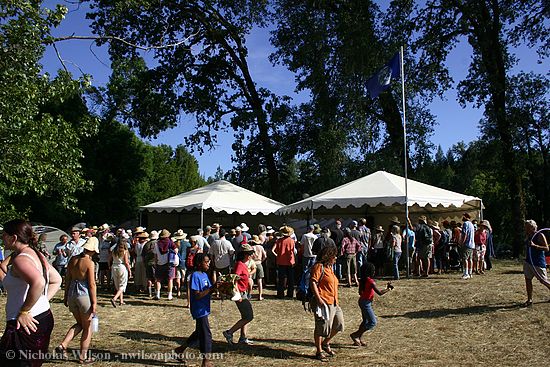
{"points": [[380, 81]]}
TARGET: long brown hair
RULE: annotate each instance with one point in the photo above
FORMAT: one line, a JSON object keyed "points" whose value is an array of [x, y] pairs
{"points": [[121, 248]]}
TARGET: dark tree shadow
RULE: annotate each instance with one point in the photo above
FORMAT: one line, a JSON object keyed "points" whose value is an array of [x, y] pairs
{"points": [[444, 312]]}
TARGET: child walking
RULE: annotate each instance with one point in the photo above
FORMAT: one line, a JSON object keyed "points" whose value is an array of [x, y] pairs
{"points": [[200, 290], [367, 288]]}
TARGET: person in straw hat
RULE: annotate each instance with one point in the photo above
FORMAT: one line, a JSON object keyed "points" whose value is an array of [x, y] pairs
{"points": [[480, 240], [283, 249], [424, 245], [244, 305], [140, 277], [436, 238], [259, 257], [81, 298], [181, 243], [379, 254], [164, 271]]}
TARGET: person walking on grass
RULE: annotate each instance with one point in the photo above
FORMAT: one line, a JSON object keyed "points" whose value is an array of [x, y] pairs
{"points": [[201, 289], [120, 270], [244, 305], [329, 319], [535, 261], [81, 298], [367, 288]]}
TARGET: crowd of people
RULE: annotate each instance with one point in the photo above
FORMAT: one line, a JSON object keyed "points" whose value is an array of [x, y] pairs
{"points": [[192, 266]]}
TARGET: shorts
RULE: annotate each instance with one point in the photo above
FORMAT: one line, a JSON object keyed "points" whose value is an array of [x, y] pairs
{"points": [[165, 272], [103, 266], [80, 304], [532, 271], [245, 308], [480, 252], [259, 272], [467, 254], [335, 322], [425, 252], [180, 273], [150, 272]]}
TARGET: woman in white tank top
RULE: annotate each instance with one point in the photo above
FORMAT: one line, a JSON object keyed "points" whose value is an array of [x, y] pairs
{"points": [[30, 283]]}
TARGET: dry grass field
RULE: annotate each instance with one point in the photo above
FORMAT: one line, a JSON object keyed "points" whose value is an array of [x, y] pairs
{"points": [[439, 321]]}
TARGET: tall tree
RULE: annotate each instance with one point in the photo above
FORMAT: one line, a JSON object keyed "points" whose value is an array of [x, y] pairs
{"points": [[334, 48], [42, 119], [198, 65], [487, 25]]}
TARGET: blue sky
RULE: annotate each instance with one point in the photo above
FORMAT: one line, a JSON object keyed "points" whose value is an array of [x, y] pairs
{"points": [[454, 122]]}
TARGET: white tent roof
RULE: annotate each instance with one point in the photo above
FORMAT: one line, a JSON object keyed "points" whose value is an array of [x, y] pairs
{"points": [[218, 196], [383, 189]]}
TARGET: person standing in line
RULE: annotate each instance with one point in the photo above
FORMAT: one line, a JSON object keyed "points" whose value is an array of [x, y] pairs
{"points": [[201, 289], [259, 257], [337, 236], [244, 305], [535, 262], [350, 247], [490, 253], [30, 282], [424, 245], [140, 278], [396, 241], [164, 271], [81, 298], [283, 249], [365, 241], [308, 258], [61, 256], [120, 270], [468, 245], [480, 240]]}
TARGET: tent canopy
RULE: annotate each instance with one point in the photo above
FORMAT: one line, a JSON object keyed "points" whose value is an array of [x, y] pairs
{"points": [[383, 192], [220, 196]]}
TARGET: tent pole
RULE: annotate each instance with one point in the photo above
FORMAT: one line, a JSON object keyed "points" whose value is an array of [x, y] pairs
{"points": [[405, 162], [202, 218]]}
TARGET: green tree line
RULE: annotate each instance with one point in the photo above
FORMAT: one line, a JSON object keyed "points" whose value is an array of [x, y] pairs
{"points": [[197, 63]]}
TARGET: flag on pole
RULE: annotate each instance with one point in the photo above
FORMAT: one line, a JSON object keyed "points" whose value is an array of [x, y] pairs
{"points": [[380, 81]]}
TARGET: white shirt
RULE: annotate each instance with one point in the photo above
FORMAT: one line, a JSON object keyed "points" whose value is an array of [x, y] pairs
{"points": [[307, 242], [221, 251]]}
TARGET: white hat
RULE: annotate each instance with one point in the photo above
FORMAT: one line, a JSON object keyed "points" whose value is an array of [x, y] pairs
{"points": [[244, 227]]}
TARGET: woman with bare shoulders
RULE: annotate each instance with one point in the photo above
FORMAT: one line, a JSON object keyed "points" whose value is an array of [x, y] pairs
{"points": [[81, 298], [120, 270], [30, 283]]}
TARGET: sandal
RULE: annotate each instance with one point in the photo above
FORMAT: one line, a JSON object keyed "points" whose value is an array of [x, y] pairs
{"points": [[113, 303], [356, 341], [63, 351], [320, 356], [88, 360], [328, 350], [527, 304]]}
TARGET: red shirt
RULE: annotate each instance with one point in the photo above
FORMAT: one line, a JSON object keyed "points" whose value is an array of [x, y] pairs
{"points": [[368, 292], [284, 248], [242, 271], [480, 237]]}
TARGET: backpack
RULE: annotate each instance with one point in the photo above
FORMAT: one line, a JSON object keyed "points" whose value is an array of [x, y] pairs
{"points": [[424, 235], [304, 292]]}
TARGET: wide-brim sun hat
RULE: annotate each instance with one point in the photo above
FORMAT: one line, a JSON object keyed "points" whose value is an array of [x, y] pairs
{"points": [[180, 235], [164, 233], [395, 220], [154, 235], [486, 224], [244, 227], [286, 231], [380, 229], [434, 224], [423, 218], [143, 235], [246, 248], [91, 244]]}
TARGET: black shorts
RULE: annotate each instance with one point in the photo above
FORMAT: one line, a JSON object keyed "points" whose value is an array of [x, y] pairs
{"points": [[150, 272], [245, 308], [103, 266]]}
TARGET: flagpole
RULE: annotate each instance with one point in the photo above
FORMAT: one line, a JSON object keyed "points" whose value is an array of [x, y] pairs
{"points": [[405, 160]]}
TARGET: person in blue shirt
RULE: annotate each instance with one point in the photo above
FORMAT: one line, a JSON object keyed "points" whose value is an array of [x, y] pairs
{"points": [[200, 294], [535, 262]]}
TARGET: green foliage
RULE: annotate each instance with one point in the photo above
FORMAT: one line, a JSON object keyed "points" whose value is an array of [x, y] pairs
{"points": [[41, 120]]}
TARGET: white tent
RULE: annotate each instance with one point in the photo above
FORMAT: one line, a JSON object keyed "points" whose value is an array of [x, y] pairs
{"points": [[218, 199], [384, 193]]}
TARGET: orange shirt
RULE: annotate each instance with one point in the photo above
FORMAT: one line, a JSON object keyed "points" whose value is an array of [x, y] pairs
{"points": [[328, 283], [284, 248]]}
